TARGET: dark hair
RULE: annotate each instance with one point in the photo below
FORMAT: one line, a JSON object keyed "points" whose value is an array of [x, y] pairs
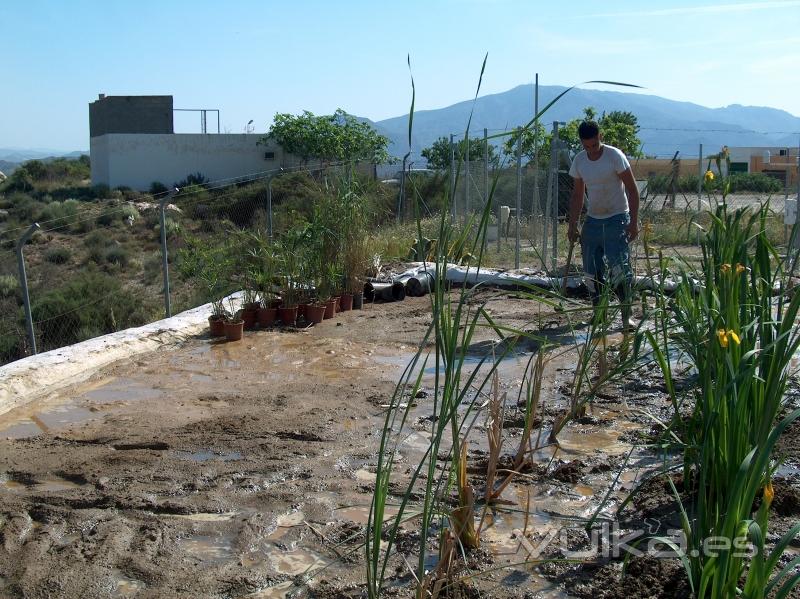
{"points": [[588, 130]]}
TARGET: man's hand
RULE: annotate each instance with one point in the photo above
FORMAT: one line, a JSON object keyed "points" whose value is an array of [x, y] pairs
{"points": [[632, 230], [572, 233]]}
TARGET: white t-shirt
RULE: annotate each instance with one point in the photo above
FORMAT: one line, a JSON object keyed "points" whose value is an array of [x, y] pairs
{"points": [[605, 189]]}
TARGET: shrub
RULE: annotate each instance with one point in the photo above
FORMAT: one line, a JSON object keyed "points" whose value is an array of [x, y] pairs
{"points": [[89, 304], [58, 255], [173, 227], [97, 239], [117, 255], [60, 213], [156, 187], [8, 286]]}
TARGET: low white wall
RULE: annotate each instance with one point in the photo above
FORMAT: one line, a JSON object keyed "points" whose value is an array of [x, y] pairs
{"points": [[137, 160], [31, 378]]}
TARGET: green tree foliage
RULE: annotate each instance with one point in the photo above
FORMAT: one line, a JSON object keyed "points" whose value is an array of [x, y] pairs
{"points": [[438, 154], [619, 129], [336, 137]]}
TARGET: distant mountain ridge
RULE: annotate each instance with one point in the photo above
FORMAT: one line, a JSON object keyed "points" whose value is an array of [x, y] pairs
{"points": [[666, 125], [11, 158]]}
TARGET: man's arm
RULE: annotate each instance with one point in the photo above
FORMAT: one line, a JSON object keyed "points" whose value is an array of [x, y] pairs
{"points": [[633, 202], [575, 207]]}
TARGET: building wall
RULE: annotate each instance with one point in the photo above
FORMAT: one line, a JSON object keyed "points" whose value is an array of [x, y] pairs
{"points": [[137, 160], [130, 114], [648, 167]]}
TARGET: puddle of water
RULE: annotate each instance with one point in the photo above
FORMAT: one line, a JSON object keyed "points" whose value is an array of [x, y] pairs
{"points": [[285, 522], [364, 475], [41, 484], [279, 591], [207, 517], [360, 514], [120, 390], [125, 586], [208, 548], [45, 421], [208, 455], [296, 561]]}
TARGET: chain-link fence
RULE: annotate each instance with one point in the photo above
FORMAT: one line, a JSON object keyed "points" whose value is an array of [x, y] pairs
{"points": [[95, 265]]}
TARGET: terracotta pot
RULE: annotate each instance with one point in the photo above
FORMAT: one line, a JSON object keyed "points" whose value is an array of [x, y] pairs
{"points": [[336, 298], [216, 325], [267, 316], [345, 302], [301, 310], [287, 316], [315, 313], [330, 308], [249, 316], [358, 301], [234, 330]]}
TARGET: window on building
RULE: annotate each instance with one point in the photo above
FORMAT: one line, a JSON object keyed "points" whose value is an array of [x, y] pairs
{"points": [[269, 155]]}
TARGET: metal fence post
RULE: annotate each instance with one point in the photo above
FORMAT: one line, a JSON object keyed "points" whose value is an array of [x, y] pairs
{"points": [[556, 201], [452, 181], [519, 195], [466, 181], [23, 280], [164, 255], [700, 179], [486, 174]]}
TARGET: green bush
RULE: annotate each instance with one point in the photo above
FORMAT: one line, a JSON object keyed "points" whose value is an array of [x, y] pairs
{"points": [[9, 284], [97, 239], [117, 255], [59, 214], [58, 255], [156, 187], [739, 182], [91, 303]]}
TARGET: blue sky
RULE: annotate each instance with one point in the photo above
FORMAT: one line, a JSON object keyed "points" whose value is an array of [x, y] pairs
{"points": [[251, 59]]}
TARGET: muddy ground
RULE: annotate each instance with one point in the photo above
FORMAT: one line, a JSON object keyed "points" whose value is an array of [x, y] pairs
{"points": [[245, 469]]}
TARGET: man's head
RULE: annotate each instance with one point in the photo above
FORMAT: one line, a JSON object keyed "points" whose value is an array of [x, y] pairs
{"points": [[591, 140]]}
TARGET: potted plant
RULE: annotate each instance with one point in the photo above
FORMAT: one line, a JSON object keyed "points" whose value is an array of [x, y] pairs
{"points": [[290, 249], [234, 325], [354, 253], [208, 262]]}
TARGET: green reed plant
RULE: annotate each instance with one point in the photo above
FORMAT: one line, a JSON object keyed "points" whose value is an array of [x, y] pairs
{"points": [[739, 330], [445, 510]]}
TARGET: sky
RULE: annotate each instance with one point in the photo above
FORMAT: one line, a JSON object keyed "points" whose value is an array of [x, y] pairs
{"points": [[252, 59]]}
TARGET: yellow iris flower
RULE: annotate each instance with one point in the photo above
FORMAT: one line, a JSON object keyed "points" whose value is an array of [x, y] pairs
{"points": [[725, 337], [769, 493], [709, 176]]}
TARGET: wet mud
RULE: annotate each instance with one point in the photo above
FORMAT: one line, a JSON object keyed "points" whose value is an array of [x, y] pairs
{"points": [[246, 469]]}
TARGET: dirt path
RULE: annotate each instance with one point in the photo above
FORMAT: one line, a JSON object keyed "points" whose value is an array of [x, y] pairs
{"points": [[230, 470]]}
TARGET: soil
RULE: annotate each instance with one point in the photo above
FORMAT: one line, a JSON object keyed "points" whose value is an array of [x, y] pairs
{"points": [[246, 469]]}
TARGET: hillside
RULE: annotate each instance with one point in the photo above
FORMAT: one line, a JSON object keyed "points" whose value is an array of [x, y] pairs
{"points": [[666, 125]]}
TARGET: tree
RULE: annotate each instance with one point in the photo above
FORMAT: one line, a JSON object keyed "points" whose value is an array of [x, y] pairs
{"points": [[619, 129], [439, 153], [335, 137], [535, 142]]}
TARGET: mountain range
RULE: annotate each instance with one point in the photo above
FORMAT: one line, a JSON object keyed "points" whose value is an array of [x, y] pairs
{"points": [[11, 158], [666, 125]]}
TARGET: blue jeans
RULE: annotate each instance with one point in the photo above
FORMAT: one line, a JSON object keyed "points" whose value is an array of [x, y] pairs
{"points": [[604, 245]]}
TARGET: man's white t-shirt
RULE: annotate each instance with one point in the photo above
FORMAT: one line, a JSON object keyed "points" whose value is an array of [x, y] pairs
{"points": [[605, 189]]}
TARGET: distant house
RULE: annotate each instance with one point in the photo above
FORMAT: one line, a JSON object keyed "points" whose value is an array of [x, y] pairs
{"points": [[777, 162], [133, 144]]}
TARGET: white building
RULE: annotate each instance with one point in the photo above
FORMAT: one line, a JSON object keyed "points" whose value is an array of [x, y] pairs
{"points": [[133, 144]]}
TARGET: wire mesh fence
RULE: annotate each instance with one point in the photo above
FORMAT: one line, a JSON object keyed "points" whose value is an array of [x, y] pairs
{"points": [[96, 266]]}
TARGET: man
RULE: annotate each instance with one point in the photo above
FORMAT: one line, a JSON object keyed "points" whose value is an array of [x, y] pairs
{"points": [[612, 210]]}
